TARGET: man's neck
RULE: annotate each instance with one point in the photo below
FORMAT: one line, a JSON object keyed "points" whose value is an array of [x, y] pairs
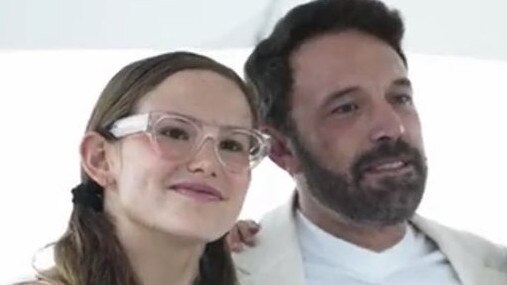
{"points": [[373, 237]]}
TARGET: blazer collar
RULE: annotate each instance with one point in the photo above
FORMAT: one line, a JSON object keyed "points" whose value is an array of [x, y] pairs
{"points": [[277, 258], [471, 266]]}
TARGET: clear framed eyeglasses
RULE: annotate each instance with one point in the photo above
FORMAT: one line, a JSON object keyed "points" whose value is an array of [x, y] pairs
{"points": [[179, 137]]}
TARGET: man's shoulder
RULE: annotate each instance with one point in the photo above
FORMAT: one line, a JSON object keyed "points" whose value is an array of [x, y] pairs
{"points": [[277, 228], [276, 257], [453, 240], [276, 237]]}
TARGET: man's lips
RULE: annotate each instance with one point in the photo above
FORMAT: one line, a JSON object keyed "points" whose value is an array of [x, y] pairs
{"points": [[198, 191], [393, 165]]}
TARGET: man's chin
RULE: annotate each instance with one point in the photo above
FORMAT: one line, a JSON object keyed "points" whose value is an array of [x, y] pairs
{"points": [[387, 181], [381, 206], [361, 221], [386, 218]]}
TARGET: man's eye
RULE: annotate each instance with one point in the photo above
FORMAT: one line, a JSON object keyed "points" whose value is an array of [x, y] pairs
{"points": [[345, 108], [402, 99]]}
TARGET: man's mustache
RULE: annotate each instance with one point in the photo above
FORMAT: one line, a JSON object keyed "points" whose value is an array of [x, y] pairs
{"points": [[389, 149]]}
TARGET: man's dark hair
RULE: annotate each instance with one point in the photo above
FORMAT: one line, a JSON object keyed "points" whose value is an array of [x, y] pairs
{"points": [[268, 68]]}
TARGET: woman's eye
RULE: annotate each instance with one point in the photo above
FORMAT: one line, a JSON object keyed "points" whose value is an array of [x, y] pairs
{"points": [[174, 133], [232, 145]]}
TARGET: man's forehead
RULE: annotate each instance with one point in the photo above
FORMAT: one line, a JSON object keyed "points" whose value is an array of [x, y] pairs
{"points": [[345, 47], [345, 58]]}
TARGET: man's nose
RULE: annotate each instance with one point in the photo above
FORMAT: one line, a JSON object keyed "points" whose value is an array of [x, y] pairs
{"points": [[387, 124]]}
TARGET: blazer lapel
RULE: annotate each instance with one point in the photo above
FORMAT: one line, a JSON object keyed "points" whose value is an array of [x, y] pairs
{"points": [[277, 258], [472, 269]]}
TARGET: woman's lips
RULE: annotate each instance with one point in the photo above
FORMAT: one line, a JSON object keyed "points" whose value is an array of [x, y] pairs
{"points": [[197, 191]]}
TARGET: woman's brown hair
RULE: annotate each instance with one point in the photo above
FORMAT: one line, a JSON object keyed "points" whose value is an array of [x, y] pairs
{"points": [[89, 252]]}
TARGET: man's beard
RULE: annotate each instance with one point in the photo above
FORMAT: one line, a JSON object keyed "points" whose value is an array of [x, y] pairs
{"points": [[391, 201]]}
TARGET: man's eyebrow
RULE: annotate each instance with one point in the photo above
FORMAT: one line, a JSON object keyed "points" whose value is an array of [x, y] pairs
{"points": [[402, 82], [338, 94]]}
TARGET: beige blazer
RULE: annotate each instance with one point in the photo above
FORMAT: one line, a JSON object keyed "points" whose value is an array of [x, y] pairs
{"points": [[277, 259]]}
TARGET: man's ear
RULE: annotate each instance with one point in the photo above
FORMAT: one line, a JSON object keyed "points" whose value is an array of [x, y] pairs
{"points": [[281, 151], [94, 160]]}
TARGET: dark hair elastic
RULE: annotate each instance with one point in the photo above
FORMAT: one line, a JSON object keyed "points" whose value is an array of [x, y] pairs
{"points": [[88, 194]]}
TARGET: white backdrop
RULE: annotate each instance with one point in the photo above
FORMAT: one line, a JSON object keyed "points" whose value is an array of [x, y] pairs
{"points": [[47, 97], [451, 27], [49, 82]]}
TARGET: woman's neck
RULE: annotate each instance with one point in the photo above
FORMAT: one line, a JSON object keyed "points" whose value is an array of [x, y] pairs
{"points": [[158, 258]]}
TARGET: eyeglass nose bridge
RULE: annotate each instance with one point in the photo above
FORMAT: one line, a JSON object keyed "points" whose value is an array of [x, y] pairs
{"points": [[213, 137]]}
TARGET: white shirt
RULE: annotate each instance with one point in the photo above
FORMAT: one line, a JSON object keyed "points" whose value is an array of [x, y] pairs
{"points": [[415, 260]]}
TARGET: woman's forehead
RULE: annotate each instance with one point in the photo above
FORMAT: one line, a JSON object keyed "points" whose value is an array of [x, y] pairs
{"points": [[201, 94]]}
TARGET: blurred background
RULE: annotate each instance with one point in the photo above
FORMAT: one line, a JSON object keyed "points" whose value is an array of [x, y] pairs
{"points": [[57, 55]]}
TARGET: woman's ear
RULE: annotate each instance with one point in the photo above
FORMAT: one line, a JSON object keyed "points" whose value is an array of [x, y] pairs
{"points": [[94, 159], [281, 151]]}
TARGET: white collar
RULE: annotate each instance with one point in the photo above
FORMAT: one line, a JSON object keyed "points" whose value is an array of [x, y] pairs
{"points": [[318, 245]]}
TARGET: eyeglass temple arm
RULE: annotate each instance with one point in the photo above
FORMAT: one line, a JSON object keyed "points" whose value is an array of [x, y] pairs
{"points": [[130, 125]]}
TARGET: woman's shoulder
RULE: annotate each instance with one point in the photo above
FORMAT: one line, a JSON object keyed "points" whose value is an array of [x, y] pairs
{"points": [[34, 282]]}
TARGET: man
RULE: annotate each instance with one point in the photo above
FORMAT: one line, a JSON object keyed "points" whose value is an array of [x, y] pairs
{"points": [[335, 96]]}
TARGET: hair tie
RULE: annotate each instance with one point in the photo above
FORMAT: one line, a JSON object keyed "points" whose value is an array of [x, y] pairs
{"points": [[88, 194]]}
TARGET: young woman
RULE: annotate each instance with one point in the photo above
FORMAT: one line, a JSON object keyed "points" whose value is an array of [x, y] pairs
{"points": [[166, 162]]}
